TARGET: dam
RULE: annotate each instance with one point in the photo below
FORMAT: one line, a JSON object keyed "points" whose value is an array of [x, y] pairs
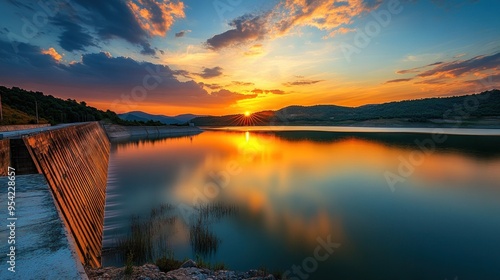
{"points": [[61, 177], [66, 171]]}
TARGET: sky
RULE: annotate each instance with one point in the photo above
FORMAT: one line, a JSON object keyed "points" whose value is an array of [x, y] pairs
{"points": [[222, 57]]}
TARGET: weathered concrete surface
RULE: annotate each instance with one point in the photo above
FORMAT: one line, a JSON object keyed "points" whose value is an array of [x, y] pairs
{"points": [[43, 250], [123, 132], [21, 127], [4, 156], [74, 161]]}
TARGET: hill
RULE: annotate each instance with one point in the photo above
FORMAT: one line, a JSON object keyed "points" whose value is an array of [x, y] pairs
{"points": [[142, 116], [54, 110], [13, 116], [485, 104]]}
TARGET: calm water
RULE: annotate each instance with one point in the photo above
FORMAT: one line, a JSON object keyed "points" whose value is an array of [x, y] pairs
{"points": [[277, 193]]}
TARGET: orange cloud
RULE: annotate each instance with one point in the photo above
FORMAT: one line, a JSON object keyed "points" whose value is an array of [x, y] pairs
{"points": [[156, 17], [52, 52], [324, 15]]}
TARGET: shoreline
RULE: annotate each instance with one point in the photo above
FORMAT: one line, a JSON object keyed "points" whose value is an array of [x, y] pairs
{"points": [[188, 270], [121, 132]]}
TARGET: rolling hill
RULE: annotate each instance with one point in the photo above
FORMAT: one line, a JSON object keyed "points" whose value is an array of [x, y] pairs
{"points": [[142, 116], [485, 104]]}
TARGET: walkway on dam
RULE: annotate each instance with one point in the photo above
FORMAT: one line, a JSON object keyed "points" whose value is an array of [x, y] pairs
{"points": [[19, 133], [43, 250]]}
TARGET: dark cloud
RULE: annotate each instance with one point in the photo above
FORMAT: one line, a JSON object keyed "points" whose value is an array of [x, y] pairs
{"points": [[99, 76], [302, 82], [73, 37], [181, 33], [183, 73], [146, 49], [209, 73], [440, 71], [113, 18], [398, 81], [211, 86], [27, 56], [245, 28], [460, 67], [96, 20], [417, 69], [268, 91]]}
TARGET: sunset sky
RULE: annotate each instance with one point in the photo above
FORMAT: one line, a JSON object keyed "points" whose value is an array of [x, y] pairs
{"points": [[230, 56]]}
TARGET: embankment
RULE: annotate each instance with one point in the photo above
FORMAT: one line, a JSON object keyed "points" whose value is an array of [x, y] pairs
{"points": [[124, 132], [74, 161]]}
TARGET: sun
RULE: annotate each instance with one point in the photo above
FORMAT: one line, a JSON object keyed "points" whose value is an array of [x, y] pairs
{"points": [[247, 114]]}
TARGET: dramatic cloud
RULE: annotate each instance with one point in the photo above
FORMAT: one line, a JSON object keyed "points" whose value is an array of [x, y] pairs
{"points": [[327, 15], [156, 17], [322, 14], [99, 76], [302, 82], [181, 33], [73, 37], [209, 73], [461, 67], [82, 23], [268, 91], [441, 72], [246, 28]]}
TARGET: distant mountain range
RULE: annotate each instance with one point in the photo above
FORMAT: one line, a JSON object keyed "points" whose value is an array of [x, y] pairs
{"points": [[440, 109], [142, 116]]}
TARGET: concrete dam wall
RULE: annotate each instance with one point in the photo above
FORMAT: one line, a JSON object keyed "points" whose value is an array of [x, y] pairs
{"points": [[74, 161]]}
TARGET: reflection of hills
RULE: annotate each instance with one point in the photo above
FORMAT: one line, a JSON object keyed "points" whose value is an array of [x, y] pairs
{"points": [[470, 145], [137, 141]]}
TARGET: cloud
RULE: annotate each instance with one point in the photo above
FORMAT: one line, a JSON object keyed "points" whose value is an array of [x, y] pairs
{"points": [[341, 30], [156, 17], [238, 83], [210, 86], [209, 73], [254, 50], [417, 69], [181, 33], [99, 76], [324, 15], [53, 53], [73, 37], [83, 23], [146, 49], [245, 28], [327, 15], [183, 73], [460, 67], [301, 82], [268, 91], [440, 72], [398, 81]]}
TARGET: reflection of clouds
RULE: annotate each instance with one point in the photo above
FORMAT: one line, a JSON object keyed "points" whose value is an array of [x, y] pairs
{"points": [[288, 186]]}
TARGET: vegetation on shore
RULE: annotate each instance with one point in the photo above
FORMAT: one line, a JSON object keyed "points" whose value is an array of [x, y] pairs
{"points": [[20, 107]]}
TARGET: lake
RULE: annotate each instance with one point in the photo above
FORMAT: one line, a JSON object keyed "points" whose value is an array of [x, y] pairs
{"points": [[311, 203]]}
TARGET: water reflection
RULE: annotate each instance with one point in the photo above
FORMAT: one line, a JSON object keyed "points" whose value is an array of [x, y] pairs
{"points": [[292, 187]]}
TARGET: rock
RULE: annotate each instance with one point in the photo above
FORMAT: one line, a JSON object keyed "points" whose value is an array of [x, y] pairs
{"points": [[188, 263]]}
